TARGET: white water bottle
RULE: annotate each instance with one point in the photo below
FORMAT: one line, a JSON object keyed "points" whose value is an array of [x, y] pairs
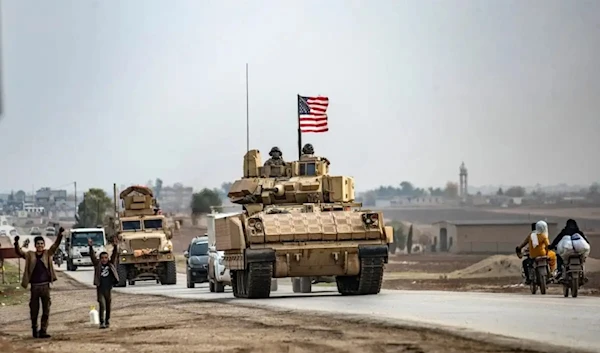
{"points": [[94, 316]]}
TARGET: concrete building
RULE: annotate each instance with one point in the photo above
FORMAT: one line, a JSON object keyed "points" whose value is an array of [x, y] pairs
{"points": [[49, 197], [176, 198], [483, 237]]}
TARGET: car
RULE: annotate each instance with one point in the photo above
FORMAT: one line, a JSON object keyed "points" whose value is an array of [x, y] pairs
{"points": [[218, 275], [197, 261]]}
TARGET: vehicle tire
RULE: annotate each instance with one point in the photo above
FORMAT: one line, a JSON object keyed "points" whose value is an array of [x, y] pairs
{"points": [[574, 286], [190, 284], [565, 290], [296, 284], [122, 273], [533, 283], [305, 284], [170, 276], [543, 284], [131, 283], [219, 287]]}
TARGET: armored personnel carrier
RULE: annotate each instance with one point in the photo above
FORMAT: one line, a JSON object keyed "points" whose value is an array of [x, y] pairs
{"points": [[144, 239], [300, 222]]}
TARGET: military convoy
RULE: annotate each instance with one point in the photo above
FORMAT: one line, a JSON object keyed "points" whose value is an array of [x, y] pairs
{"points": [[300, 222], [144, 239]]}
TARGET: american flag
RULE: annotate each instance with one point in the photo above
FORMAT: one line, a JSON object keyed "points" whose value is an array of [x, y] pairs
{"points": [[312, 114]]}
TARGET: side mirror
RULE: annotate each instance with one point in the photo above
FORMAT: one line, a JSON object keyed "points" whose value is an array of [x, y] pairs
{"points": [[186, 254]]}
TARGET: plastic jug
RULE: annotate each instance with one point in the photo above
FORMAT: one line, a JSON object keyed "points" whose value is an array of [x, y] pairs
{"points": [[94, 316]]}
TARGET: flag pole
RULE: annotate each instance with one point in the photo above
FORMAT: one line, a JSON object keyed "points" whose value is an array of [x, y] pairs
{"points": [[247, 114], [299, 131]]}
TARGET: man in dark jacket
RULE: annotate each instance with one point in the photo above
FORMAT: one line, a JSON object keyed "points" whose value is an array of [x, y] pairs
{"points": [[570, 228], [105, 277], [39, 273]]}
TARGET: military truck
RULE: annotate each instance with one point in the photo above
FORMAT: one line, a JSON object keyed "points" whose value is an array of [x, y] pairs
{"points": [[298, 221], [144, 239]]}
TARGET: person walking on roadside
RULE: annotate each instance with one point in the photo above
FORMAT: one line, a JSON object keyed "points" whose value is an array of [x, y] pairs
{"points": [[105, 277], [39, 273]]}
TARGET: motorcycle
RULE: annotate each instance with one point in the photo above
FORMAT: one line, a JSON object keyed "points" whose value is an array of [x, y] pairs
{"points": [[573, 275], [538, 273], [58, 258]]}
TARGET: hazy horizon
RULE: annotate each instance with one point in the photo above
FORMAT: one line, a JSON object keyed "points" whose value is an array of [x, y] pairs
{"points": [[111, 91]]}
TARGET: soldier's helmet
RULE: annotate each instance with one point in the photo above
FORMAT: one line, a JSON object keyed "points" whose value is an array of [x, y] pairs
{"points": [[274, 151], [308, 149]]}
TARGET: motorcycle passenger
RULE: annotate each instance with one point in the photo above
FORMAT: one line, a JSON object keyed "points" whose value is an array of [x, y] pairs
{"points": [[538, 245], [570, 228], [527, 261]]}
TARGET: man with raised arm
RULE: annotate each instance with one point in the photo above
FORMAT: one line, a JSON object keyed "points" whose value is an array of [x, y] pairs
{"points": [[105, 277], [39, 273]]}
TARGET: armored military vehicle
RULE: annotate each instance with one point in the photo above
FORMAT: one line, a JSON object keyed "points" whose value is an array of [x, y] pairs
{"points": [[298, 221], [144, 239]]}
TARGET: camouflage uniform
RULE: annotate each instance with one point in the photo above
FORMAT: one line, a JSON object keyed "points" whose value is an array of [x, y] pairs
{"points": [[276, 158]]}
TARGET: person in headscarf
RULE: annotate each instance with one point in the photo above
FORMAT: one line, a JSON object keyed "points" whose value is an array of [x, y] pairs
{"points": [[527, 261], [570, 228], [538, 244]]}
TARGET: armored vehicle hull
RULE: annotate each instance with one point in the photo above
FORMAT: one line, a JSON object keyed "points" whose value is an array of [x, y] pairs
{"points": [[146, 250]]}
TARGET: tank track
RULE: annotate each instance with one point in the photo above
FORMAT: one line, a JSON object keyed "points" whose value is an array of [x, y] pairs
{"points": [[367, 282], [254, 282]]}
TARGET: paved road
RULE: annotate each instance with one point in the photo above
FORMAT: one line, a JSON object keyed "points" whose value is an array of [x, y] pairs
{"points": [[568, 322]]}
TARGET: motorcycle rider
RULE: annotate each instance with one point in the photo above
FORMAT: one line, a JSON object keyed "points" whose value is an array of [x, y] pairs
{"points": [[527, 261], [570, 228], [538, 243]]}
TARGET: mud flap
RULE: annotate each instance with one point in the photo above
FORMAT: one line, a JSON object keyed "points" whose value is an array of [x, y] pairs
{"points": [[373, 251], [258, 255]]}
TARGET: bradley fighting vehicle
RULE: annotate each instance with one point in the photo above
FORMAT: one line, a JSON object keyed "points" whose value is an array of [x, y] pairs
{"points": [[144, 239], [298, 221]]}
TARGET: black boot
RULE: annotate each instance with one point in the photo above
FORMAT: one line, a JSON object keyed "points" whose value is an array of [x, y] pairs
{"points": [[43, 334], [34, 332]]}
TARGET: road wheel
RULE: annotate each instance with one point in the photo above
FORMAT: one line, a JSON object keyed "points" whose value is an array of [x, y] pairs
{"points": [[565, 290], [190, 284], [219, 287], [122, 273], [170, 274], [574, 286]]}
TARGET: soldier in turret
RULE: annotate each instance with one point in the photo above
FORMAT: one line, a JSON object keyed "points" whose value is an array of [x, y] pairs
{"points": [[276, 157], [307, 151]]}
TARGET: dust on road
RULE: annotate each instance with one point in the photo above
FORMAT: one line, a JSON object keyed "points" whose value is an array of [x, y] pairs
{"points": [[167, 325]]}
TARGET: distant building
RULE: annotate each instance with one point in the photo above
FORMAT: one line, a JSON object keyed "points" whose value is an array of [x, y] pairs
{"points": [[49, 197], [410, 201], [176, 198], [484, 237]]}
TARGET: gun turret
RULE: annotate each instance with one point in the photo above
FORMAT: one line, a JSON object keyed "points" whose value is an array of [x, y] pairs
{"points": [[297, 182], [138, 201]]}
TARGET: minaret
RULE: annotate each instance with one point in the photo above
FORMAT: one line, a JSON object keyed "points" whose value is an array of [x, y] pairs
{"points": [[463, 182]]}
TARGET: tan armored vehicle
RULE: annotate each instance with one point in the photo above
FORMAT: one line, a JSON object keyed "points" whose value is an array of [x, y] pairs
{"points": [[145, 248], [299, 221]]}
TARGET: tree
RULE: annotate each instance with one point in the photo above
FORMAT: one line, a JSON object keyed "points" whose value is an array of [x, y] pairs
{"points": [[20, 196], [91, 211], [203, 200], [409, 239], [515, 191], [500, 192], [157, 187], [451, 190]]}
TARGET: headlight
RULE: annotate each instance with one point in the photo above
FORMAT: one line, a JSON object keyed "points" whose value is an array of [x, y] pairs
{"points": [[166, 248], [124, 251]]}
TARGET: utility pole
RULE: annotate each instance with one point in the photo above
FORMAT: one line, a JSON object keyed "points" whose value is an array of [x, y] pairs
{"points": [[75, 185]]}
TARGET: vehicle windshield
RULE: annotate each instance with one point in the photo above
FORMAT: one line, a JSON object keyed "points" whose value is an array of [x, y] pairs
{"points": [[199, 249], [308, 169], [81, 238], [153, 223], [131, 225]]}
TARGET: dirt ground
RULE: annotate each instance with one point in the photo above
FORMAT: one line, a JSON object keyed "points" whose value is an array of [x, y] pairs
{"points": [[481, 273], [158, 324]]}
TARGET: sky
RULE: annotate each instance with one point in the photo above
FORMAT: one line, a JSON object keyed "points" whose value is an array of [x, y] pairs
{"points": [[126, 91]]}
